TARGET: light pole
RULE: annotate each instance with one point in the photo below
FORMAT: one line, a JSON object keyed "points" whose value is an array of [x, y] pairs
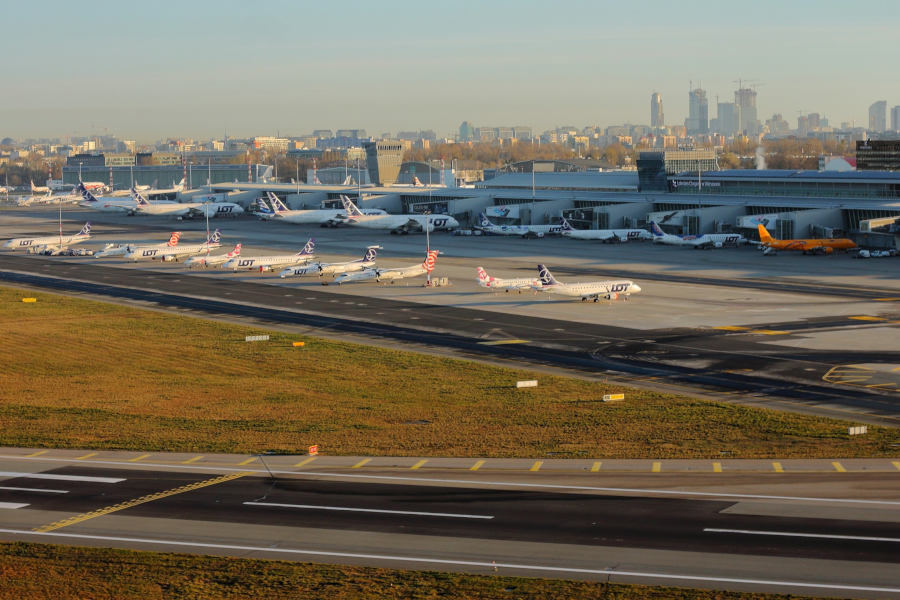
{"points": [[427, 246], [80, 180]]}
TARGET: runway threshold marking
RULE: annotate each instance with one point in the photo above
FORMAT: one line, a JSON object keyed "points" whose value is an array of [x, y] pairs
{"points": [[826, 536], [193, 460], [477, 465], [38, 453], [596, 467], [139, 458], [503, 342], [360, 464], [657, 467], [370, 510], [731, 328], [12, 505], [777, 467], [896, 464], [838, 467], [419, 464], [769, 332], [717, 467], [886, 299], [87, 456], [536, 466], [305, 461], [142, 500], [56, 477], [37, 490]]}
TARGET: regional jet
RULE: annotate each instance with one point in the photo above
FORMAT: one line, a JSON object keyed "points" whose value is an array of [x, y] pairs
{"points": [[321, 269], [396, 223], [268, 263], [604, 235], [588, 290], [703, 241], [391, 274], [212, 260], [486, 226], [807, 246], [51, 242], [173, 253], [122, 249], [193, 209], [517, 284]]}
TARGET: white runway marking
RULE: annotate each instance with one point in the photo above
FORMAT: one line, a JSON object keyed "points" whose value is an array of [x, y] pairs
{"points": [[61, 477], [370, 510], [11, 505], [21, 489], [825, 536], [475, 482], [454, 562]]}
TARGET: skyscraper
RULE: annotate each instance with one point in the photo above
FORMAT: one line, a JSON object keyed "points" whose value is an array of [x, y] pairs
{"points": [[745, 99], [656, 111], [698, 112], [878, 116], [727, 118], [466, 131], [895, 118]]}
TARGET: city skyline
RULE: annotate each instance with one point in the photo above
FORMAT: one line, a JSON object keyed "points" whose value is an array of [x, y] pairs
{"points": [[149, 72]]}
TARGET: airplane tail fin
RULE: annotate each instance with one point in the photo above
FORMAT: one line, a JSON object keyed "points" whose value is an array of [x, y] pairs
{"points": [[263, 208], [484, 221], [764, 236], [86, 230], [173, 240], [180, 185], [546, 276], [348, 181], [214, 238], [430, 259], [139, 199], [656, 230], [309, 248], [86, 195], [371, 251], [235, 252], [277, 205], [566, 226], [483, 277], [350, 207]]}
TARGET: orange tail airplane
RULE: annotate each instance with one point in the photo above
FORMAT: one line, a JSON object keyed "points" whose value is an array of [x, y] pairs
{"points": [[811, 246]]}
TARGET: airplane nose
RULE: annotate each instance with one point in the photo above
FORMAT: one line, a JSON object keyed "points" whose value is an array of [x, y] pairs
{"points": [[635, 288]]}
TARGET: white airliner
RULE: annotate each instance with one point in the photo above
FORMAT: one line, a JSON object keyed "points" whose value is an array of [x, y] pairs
{"points": [[706, 240], [39, 189], [193, 209], [392, 274], [174, 252], [96, 186], [35, 199], [322, 269], [89, 200], [396, 223], [486, 226], [518, 284], [268, 263], [604, 235], [123, 248], [50, 242], [313, 216], [588, 290], [212, 260]]}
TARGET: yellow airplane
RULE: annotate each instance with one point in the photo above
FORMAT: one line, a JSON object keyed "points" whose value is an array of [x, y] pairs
{"points": [[809, 246]]}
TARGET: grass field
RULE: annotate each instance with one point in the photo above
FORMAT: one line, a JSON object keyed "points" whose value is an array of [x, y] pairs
{"points": [[38, 571], [84, 374]]}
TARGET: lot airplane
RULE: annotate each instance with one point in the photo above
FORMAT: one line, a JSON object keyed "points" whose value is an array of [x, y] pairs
{"points": [[588, 290], [706, 240], [517, 284], [321, 269], [396, 223], [268, 263], [174, 252], [212, 260], [807, 246], [604, 235], [391, 274], [488, 227], [186, 209], [121, 249], [51, 242]]}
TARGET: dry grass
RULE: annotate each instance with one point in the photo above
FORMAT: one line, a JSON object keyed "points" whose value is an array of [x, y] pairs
{"points": [[38, 571], [87, 374]]}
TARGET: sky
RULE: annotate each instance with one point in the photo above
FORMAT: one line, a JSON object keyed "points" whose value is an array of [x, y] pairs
{"points": [[196, 68]]}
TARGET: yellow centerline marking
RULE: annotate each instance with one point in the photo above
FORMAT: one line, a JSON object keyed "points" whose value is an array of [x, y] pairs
{"points": [[419, 464], [886, 299], [778, 468], [868, 318], [596, 467], [305, 461], [477, 465], [882, 385], [769, 332], [731, 328], [193, 460], [38, 453], [838, 467], [717, 467], [86, 456], [142, 500], [896, 464], [502, 342], [536, 466], [247, 461], [361, 463], [657, 467], [138, 458]]}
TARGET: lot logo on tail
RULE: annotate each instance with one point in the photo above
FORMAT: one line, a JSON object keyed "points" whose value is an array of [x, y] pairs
{"points": [[430, 260], [309, 247], [546, 276], [173, 241], [86, 230], [369, 256]]}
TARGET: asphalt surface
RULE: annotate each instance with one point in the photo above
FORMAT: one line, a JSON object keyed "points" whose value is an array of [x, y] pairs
{"points": [[733, 363]]}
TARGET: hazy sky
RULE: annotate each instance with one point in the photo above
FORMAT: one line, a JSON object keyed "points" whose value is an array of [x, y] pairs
{"points": [[148, 70]]}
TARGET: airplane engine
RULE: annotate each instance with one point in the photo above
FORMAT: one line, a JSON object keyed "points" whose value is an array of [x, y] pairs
{"points": [[612, 296], [169, 258], [718, 244]]}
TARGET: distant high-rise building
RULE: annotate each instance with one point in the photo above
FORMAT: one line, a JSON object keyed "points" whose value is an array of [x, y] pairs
{"points": [[895, 118], [656, 111], [727, 118], [814, 121], [878, 116], [745, 99], [466, 132], [802, 126], [698, 112], [383, 159]]}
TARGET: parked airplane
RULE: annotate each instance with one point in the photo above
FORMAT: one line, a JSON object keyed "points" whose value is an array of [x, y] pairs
{"points": [[396, 223], [96, 186], [268, 263], [174, 252], [186, 209], [604, 235], [50, 242], [486, 226], [39, 189], [212, 260], [807, 246], [121, 249], [706, 240], [322, 269], [391, 274], [35, 199], [517, 284], [588, 290]]}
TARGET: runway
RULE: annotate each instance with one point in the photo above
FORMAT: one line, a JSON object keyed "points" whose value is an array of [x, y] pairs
{"points": [[589, 526]]}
